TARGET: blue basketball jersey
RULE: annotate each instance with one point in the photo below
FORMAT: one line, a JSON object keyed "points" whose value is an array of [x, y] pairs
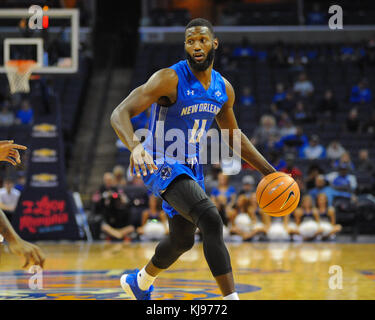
{"points": [[175, 131]]}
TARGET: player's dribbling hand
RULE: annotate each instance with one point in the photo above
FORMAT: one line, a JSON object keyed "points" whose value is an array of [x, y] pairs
{"points": [[140, 159], [32, 253], [9, 152]]}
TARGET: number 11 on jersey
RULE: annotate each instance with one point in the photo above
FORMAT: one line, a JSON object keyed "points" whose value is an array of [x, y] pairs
{"points": [[195, 138]]}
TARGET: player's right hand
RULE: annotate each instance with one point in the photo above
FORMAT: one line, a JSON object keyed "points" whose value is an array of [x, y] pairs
{"points": [[32, 253], [139, 160], [9, 152]]}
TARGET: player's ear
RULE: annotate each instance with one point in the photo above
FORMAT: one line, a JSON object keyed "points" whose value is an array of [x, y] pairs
{"points": [[216, 43]]}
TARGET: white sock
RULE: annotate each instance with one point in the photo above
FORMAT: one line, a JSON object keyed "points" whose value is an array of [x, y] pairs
{"points": [[232, 296], [144, 279]]}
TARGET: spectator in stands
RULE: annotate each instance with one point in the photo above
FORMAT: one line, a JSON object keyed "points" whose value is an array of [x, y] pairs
{"points": [[313, 150], [287, 127], [361, 93], [119, 177], [327, 107], [315, 16], [312, 172], [280, 94], [25, 115], [266, 128], [321, 186], [224, 196], [312, 52], [112, 205], [101, 200], [365, 165], [288, 104], [335, 150], [238, 217], [6, 117], [327, 217], [244, 50], [303, 86], [369, 125], [296, 142], [344, 159], [271, 142], [274, 157], [342, 180], [248, 186], [284, 119], [247, 99], [248, 220], [106, 186], [290, 166], [300, 114], [21, 181], [307, 218], [9, 198], [136, 181], [352, 123], [114, 228], [347, 52], [211, 177], [296, 60], [154, 221], [278, 54], [275, 110]]}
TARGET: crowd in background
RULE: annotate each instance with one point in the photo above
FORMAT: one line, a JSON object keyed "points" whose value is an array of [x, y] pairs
{"points": [[332, 178], [11, 114]]}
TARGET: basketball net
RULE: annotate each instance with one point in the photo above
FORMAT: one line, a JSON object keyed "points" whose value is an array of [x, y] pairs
{"points": [[18, 73]]}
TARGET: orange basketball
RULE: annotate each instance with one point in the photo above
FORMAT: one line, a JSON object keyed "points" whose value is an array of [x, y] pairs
{"points": [[278, 194]]}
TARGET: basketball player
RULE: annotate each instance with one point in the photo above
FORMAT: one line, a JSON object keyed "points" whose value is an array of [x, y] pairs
{"points": [[173, 92], [32, 253]]}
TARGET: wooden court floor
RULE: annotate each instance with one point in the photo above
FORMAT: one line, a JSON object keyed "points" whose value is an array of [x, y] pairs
{"points": [[262, 271]]}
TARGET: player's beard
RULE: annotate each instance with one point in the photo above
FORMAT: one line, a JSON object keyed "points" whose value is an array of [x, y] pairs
{"points": [[201, 66]]}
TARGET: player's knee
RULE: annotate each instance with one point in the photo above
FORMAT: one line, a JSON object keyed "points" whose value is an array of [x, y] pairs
{"points": [[210, 223], [183, 243]]}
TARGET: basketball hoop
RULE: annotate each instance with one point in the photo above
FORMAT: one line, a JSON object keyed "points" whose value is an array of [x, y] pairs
{"points": [[18, 73]]}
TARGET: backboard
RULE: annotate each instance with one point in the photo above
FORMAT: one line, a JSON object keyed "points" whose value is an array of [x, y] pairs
{"points": [[55, 47]]}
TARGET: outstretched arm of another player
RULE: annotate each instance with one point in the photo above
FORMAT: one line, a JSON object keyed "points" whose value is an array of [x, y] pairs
{"points": [[227, 120], [163, 83], [9, 152], [32, 254]]}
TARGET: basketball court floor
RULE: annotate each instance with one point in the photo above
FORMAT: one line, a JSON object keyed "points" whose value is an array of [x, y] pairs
{"points": [[263, 271]]}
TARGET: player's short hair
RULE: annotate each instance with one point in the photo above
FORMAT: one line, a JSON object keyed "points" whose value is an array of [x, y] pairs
{"points": [[200, 22]]}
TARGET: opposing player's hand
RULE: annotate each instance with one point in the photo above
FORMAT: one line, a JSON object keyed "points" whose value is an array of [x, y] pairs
{"points": [[140, 159], [9, 152], [32, 253]]}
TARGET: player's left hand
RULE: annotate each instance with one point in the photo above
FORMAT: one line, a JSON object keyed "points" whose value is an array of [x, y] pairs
{"points": [[33, 254], [9, 152]]}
